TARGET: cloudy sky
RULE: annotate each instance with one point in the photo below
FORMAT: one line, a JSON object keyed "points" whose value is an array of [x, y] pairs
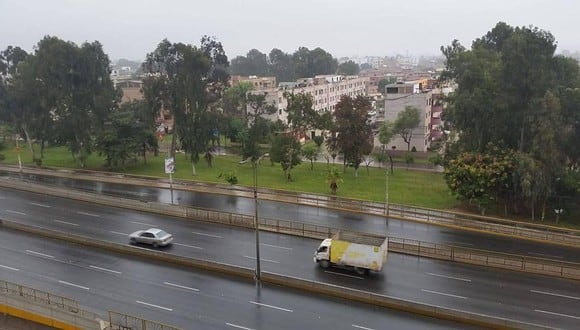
{"points": [[132, 28]]}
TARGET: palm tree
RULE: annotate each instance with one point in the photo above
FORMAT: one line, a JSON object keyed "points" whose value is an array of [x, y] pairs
{"points": [[333, 178]]}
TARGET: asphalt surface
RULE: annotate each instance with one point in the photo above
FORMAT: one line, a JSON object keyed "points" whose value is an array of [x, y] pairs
{"points": [[519, 296], [182, 297], [326, 217]]}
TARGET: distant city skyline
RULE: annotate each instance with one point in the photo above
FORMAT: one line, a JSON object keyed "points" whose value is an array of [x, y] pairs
{"points": [[130, 29]]}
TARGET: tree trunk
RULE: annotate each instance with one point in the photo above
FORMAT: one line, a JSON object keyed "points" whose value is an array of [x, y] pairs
{"points": [[193, 171], [29, 142]]}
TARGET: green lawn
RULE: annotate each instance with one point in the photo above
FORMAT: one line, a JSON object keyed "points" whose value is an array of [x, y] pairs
{"points": [[405, 186]]}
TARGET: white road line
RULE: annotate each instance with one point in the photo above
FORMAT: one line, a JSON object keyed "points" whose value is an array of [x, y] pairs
{"points": [[262, 259], [105, 269], [555, 294], [189, 246], [66, 223], [345, 275], [544, 255], [450, 277], [203, 234], [74, 285], [180, 286], [40, 254], [444, 294], [276, 246], [118, 233], [361, 327], [40, 205], [238, 326], [143, 223], [270, 306], [558, 314], [15, 212], [8, 267], [156, 306], [89, 214]]}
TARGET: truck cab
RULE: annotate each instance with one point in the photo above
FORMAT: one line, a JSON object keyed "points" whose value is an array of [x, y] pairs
{"points": [[322, 254]]}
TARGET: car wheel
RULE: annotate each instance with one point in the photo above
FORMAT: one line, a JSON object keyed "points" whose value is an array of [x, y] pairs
{"points": [[324, 264]]}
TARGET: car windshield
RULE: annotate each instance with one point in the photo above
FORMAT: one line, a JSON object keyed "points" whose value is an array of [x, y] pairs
{"points": [[162, 233]]}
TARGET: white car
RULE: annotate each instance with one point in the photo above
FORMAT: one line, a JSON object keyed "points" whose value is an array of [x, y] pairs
{"points": [[152, 236]]}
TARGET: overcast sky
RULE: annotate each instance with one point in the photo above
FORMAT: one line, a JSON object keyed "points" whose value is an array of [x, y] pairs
{"points": [[132, 28]]}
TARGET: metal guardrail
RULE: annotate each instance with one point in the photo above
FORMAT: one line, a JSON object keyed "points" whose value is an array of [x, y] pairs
{"points": [[120, 321]]}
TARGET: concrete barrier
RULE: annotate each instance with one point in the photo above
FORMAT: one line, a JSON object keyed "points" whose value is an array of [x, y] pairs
{"points": [[287, 281]]}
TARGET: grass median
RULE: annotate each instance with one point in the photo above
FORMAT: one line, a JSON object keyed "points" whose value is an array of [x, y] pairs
{"points": [[418, 188]]}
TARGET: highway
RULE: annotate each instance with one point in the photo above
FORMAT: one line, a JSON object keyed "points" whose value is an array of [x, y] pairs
{"points": [[327, 217], [519, 296], [182, 297]]}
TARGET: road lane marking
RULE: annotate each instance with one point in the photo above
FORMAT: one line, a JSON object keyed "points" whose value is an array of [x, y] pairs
{"points": [[118, 233], [444, 294], [40, 254], [345, 275], [66, 223], [271, 306], [276, 246], [543, 255], [156, 306], [450, 277], [208, 235], [15, 212], [180, 286], [555, 294], [105, 269], [40, 205], [143, 223], [89, 214], [8, 267], [238, 326], [557, 314], [189, 246], [361, 327], [262, 259], [73, 285]]}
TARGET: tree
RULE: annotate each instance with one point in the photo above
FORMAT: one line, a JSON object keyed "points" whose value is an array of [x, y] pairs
{"points": [[254, 63], [352, 134], [281, 65], [309, 151], [333, 178], [406, 121], [286, 151], [301, 113], [524, 98], [386, 134], [384, 82], [195, 79], [348, 68], [309, 63], [126, 136]]}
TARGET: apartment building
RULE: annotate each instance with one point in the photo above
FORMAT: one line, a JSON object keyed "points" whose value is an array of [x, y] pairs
{"points": [[325, 90], [257, 82]]}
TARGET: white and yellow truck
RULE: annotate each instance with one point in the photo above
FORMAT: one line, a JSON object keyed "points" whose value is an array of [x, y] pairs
{"points": [[356, 251]]}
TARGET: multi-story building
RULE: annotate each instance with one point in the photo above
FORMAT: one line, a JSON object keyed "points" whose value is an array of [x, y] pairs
{"points": [[257, 82], [399, 96], [325, 90]]}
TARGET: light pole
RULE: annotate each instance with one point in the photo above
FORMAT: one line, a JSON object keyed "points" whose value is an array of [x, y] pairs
{"points": [[256, 222], [387, 191]]}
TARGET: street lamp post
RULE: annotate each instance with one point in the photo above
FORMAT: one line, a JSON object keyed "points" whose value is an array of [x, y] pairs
{"points": [[256, 222], [387, 191]]}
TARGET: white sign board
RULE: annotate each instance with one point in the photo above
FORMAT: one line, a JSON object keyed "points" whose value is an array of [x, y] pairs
{"points": [[169, 165]]}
